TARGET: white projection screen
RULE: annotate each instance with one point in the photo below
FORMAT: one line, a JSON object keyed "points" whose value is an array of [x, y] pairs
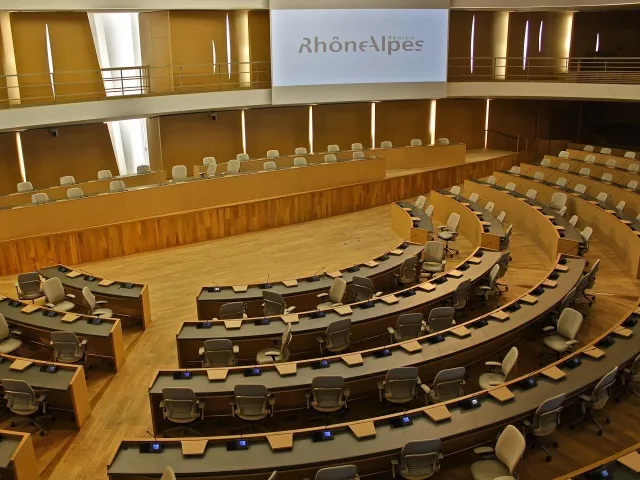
{"points": [[358, 50]]}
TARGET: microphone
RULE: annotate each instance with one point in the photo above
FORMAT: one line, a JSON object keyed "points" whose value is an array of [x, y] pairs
{"points": [[152, 435], [620, 179], [266, 285], [315, 277], [524, 173], [215, 287]]}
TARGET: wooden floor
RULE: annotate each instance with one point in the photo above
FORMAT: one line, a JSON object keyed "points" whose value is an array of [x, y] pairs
{"points": [[120, 403]]}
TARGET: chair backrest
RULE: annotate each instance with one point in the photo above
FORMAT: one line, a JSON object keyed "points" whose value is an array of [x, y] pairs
{"points": [[300, 162], [561, 182], [545, 162], [251, 399], [511, 186], [440, 318], [53, 290], [606, 177], [356, 146], [242, 157], [538, 176], [588, 148], [117, 186], [232, 310], [416, 142], [408, 326], [453, 222], [39, 198], [30, 283], [273, 303], [89, 298], [585, 172], [420, 202], [509, 362], [503, 263], [630, 155], [233, 167], [362, 288], [605, 150], [493, 275], [179, 172], [330, 158], [580, 188], [501, 216], [610, 162], [635, 369], [593, 272], [590, 159], [342, 472], [75, 192], [180, 404], [212, 168], [547, 416], [168, 474], [510, 447], [421, 458], [104, 175], [401, 383], [270, 165], [633, 168], [301, 151], [602, 390], [515, 169], [429, 211], [620, 206], [532, 194], [285, 343], [569, 323], [386, 144], [218, 352], [460, 295], [489, 207], [564, 167], [448, 383], [443, 141], [602, 197], [358, 155], [573, 221], [65, 345], [25, 187], [491, 180], [19, 394], [4, 328], [140, 169], [67, 180], [338, 334], [208, 160], [273, 153], [333, 148], [433, 251], [337, 290], [474, 197], [328, 392], [455, 190], [633, 184], [563, 154], [408, 270], [558, 200]]}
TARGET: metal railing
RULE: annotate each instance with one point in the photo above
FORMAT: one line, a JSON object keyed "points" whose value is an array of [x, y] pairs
{"points": [[497, 140], [617, 70]]}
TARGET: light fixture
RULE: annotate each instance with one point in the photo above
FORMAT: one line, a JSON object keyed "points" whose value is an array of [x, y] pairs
{"points": [[597, 42], [432, 123], [486, 123], [228, 48], [525, 46], [373, 124], [310, 128], [215, 60], [473, 36], [540, 36], [244, 132], [23, 172], [49, 58]]}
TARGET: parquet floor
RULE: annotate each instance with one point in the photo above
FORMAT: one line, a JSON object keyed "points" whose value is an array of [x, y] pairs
{"points": [[119, 402]]}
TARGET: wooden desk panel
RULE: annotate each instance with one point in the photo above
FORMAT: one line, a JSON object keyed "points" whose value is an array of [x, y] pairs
{"points": [[18, 456], [601, 158], [596, 170], [427, 156]]}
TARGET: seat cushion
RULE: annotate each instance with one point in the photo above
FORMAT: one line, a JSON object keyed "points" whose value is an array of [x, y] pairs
{"points": [[262, 358], [445, 235], [10, 345], [432, 267], [488, 470], [64, 306], [103, 312], [556, 342], [486, 378]]}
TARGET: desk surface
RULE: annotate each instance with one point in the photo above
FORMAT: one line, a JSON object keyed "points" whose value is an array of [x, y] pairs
{"points": [[8, 446], [425, 222], [373, 366], [60, 380], [616, 470], [494, 227], [346, 448], [114, 290], [308, 324]]}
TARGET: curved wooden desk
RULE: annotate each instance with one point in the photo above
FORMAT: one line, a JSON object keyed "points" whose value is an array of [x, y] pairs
{"points": [[607, 228], [126, 299], [617, 152], [425, 156], [66, 388], [620, 175], [539, 227], [464, 344], [371, 444], [410, 222], [616, 469], [17, 456], [369, 323], [103, 341], [601, 158]]}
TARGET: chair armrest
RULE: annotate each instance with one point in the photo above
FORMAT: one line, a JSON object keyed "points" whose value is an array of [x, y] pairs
{"points": [[71, 295], [49, 305], [236, 349], [586, 398], [483, 450], [484, 288], [526, 423], [83, 342], [377, 294], [346, 392], [101, 302], [391, 330], [495, 384], [493, 364], [322, 295], [42, 398], [394, 461], [289, 309], [15, 332], [320, 340], [571, 342], [336, 304], [442, 227], [272, 353], [201, 351], [550, 328], [425, 389]]}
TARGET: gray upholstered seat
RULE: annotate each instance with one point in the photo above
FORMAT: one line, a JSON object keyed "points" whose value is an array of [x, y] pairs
{"points": [[446, 386], [566, 332], [328, 394], [400, 385], [545, 420], [418, 460], [337, 337], [501, 370], [408, 326], [342, 472], [218, 352], [434, 258], [180, 406], [67, 348], [8, 343], [335, 296], [96, 307], [56, 296], [24, 402], [440, 318], [279, 353], [29, 286], [508, 453]]}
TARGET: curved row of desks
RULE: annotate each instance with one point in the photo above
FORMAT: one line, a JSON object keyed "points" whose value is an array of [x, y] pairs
{"points": [[126, 299], [410, 222], [624, 465], [369, 320], [464, 344], [371, 444], [303, 292], [549, 229], [618, 152], [66, 388], [104, 340], [609, 229], [17, 456], [619, 174], [602, 157]]}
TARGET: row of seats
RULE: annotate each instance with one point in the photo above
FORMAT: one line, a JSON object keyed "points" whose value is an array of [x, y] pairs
{"points": [[590, 159], [607, 151], [77, 192]]}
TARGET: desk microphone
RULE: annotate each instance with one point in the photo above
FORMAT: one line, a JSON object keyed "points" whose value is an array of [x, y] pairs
{"points": [[315, 277], [152, 435], [620, 180], [524, 173], [498, 181], [266, 285], [215, 288]]}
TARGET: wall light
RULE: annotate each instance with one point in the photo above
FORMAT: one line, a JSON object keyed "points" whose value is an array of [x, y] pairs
{"points": [[540, 36], [310, 128], [432, 122], [49, 58], [500, 36], [213, 50], [486, 123], [373, 124], [23, 173], [473, 36], [244, 132], [525, 46], [565, 42], [597, 42], [228, 48]]}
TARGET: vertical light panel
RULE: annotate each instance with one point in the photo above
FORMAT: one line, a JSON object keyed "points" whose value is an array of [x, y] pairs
{"points": [[432, 122], [486, 122], [597, 42], [540, 36], [525, 45], [244, 132], [564, 38], [228, 48], [49, 58], [9, 59], [23, 173], [373, 124], [213, 52], [310, 128], [473, 39], [500, 37], [241, 53]]}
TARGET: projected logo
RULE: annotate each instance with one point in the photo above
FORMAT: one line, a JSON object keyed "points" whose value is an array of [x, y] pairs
{"points": [[384, 44]]}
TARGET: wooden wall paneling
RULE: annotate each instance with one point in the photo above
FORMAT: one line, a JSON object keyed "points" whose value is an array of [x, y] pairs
{"points": [[154, 143], [4, 96], [341, 124], [187, 139], [514, 117], [193, 35], [460, 29], [79, 150], [155, 47], [276, 128], [400, 122], [150, 234], [9, 163], [619, 33], [461, 121], [260, 46]]}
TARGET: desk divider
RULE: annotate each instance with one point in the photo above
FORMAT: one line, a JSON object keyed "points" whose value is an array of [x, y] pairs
{"points": [[70, 318], [20, 365], [389, 299], [454, 273], [287, 368], [554, 373], [550, 283], [240, 288], [460, 331], [30, 308], [74, 274], [352, 359], [529, 299], [438, 413], [623, 332], [291, 318], [474, 260], [426, 286], [290, 283], [499, 315], [594, 353], [232, 324], [217, 374], [502, 394], [106, 283], [193, 447], [411, 347], [335, 274], [371, 264], [280, 441], [631, 461], [396, 252], [343, 310], [561, 268], [363, 429]]}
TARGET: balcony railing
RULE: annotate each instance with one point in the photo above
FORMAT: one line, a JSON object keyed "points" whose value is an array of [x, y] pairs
{"points": [[614, 70]]}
